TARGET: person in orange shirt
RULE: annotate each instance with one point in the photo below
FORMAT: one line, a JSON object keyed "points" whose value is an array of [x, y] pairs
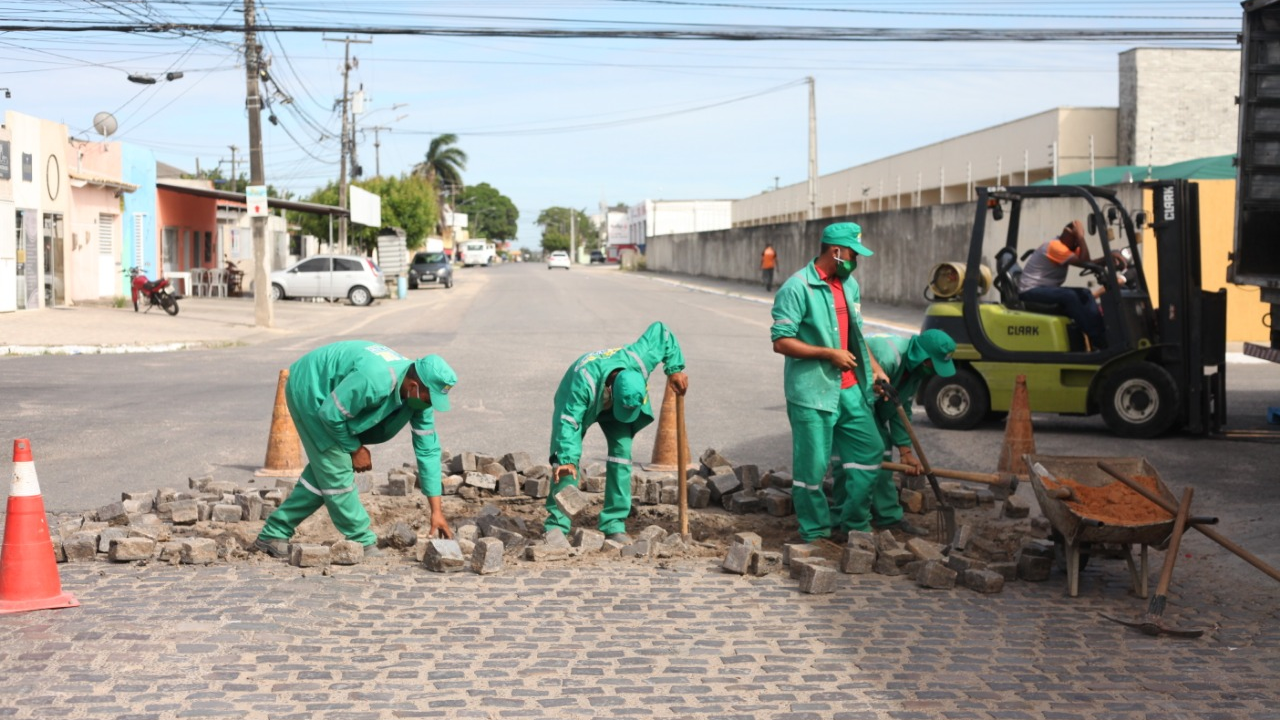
{"points": [[1045, 272], [768, 262]]}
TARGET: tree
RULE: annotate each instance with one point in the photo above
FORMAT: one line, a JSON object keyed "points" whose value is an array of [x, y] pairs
{"points": [[408, 202], [442, 166], [490, 214], [556, 225]]}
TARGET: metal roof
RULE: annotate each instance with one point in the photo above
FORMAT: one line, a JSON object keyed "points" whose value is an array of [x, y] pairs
{"points": [[306, 207]]}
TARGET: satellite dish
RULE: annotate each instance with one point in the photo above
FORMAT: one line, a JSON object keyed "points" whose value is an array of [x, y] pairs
{"points": [[104, 123]]}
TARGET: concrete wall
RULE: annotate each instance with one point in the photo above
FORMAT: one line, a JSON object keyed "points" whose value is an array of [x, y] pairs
{"points": [[140, 237], [1177, 104]]}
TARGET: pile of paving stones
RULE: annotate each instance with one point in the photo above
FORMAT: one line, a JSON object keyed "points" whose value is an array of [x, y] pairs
{"points": [[215, 520]]}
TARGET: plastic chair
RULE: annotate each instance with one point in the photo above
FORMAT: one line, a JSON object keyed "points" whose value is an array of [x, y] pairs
{"points": [[217, 282], [199, 282]]}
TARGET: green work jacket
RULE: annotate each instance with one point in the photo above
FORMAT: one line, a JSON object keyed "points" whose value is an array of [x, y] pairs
{"points": [[348, 394], [891, 353], [805, 309], [580, 397]]}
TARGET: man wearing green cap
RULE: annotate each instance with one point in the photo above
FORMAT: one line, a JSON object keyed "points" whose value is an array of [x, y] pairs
{"points": [[828, 376], [908, 362], [343, 397], [609, 387]]}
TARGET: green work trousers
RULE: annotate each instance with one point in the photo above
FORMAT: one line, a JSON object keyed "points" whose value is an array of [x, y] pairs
{"points": [[327, 480], [617, 485], [851, 433]]}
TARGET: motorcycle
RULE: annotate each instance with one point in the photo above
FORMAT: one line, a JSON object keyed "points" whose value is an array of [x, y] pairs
{"points": [[151, 292]]}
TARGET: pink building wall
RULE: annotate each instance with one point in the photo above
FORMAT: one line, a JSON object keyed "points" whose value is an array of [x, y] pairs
{"points": [[92, 273], [191, 217]]}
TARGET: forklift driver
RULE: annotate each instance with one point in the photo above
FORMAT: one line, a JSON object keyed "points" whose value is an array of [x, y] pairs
{"points": [[1045, 272]]}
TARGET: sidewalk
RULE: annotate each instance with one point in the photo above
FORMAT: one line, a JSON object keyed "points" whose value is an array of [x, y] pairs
{"points": [[201, 322]]}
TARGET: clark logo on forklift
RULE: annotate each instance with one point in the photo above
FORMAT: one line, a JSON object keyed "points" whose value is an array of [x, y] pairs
{"points": [[1166, 200], [1024, 330]]}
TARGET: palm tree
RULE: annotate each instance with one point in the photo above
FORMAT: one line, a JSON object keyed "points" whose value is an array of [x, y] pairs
{"points": [[442, 166]]}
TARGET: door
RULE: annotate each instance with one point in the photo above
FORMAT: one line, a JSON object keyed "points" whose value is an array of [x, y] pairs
{"points": [[309, 278], [170, 260], [54, 262], [108, 276], [347, 273]]}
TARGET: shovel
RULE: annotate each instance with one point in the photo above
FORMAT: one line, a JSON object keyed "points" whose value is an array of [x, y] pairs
{"points": [[1152, 622], [946, 513]]}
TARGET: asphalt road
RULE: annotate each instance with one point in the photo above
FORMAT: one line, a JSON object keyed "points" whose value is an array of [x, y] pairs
{"points": [[103, 424]]}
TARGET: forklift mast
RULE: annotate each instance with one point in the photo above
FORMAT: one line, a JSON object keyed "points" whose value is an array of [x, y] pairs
{"points": [[1191, 324]]}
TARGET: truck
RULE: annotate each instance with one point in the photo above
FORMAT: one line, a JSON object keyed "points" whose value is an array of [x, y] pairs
{"points": [[1255, 257], [477, 252]]}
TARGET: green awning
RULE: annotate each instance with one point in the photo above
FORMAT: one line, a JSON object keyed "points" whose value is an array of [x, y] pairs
{"points": [[1220, 167]]}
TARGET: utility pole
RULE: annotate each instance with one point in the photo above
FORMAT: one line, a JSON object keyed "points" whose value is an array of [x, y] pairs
{"points": [[235, 187], [573, 235], [343, 220], [813, 151], [263, 315], [377, 157]]}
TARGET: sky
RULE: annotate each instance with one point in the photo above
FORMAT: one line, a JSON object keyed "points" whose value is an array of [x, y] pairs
{"points": [[569, 121]]}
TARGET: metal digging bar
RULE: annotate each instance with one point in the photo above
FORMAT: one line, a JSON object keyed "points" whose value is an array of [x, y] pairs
{"points": [[946, 513]]}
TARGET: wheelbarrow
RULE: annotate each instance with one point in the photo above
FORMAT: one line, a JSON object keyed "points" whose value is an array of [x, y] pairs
{"points": [[1072, 520]]}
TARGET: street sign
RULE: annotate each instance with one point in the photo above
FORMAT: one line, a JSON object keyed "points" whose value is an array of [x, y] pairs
{"points": [[255, 196]]}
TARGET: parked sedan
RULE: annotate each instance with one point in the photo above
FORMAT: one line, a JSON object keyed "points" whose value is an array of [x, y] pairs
{"points": [[431, 267], [558, 259], [330, 276]]}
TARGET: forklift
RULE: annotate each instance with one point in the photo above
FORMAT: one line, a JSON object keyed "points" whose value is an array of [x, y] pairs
{"points": [[1164, 366]]}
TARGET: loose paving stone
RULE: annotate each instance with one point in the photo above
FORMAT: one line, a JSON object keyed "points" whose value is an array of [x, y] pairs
{"points": [[541, 552], [1038, 548], [857, 561], [513, 542], [653, 533], [226, 513], [863, 540], [722, 486], [749, 475], [963, 563], [893, 561], [587, 540], [1006, 570], [305, 555], [131, 549], [885, 541], [400, 537], [517, 461], [106, 536], [184, 512], [934, 574], [487, 558], [450, 484], [779, 479], [508, 484], [817, 578], [481, 481], [81, 546], [1034, 569], [983, 581], [764, 562], [199, 551], [571, 501], [59, 555], [595, 484], [493, 469], [113, 514], [467, 532], [443, 556], [743, 503], [750, 539], [346, 552], [738, 559], [912, 501], [925, 549], [639, 548], [699, 496], [1041, 527], [555, 539], [797, 551], [777, 502], [538, 487]]}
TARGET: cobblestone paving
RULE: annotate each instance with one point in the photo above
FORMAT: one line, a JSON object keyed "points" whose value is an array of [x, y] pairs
{"points": [[626, 640]]}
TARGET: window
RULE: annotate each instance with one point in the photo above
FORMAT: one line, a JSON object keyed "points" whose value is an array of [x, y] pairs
{"points": [[314, 265], [106, 228], [347, 265]]}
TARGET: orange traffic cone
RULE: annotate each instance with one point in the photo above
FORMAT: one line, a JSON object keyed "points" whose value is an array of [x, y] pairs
{"points": [[664, 445], [284, 447], [28, 570], [1018, 436]]}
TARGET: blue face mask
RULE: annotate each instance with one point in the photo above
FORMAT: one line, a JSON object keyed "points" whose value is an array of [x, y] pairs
{"points": [[417, 402]]}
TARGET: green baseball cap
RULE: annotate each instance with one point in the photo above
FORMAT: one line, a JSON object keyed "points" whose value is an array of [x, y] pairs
{"points": [[439, 378], [846, 234], [937, 346], [629, 394]]}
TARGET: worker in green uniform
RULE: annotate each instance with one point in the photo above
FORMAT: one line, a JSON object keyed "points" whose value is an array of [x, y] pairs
{"points": [[343, 397], [908, 362], [611, 388], [828, 377]]}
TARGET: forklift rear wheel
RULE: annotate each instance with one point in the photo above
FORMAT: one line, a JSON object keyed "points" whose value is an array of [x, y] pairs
{"points": [[958, 402], [1139, 401]]}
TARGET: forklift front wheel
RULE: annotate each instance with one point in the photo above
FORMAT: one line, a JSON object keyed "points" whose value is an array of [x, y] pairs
{"points": [[958, 402], [1139, 401]]}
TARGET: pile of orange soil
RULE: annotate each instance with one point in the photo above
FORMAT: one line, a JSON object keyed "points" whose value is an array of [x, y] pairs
{"points": [[1114, 503]]}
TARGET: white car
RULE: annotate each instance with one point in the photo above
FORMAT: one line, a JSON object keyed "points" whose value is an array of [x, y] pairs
{"points": [[331, 276], [558, 259]]}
